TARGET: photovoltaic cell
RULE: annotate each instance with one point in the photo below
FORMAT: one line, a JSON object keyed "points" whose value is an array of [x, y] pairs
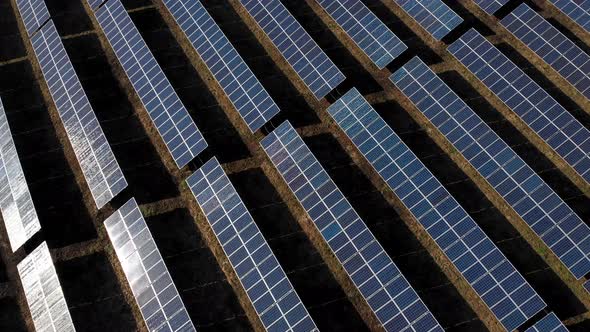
{"points": [[490, 6], [97, 161], [270, 292], [578, 11], [95, 3], [482, 264], [366, 29], [312, 65], [526, 193], [33, 13], [533, 105], [244, 90], [551, 45], [16, 205], [176, 127], [154, 291], [388, 293], [549, 323], [45, 298], [433, 15]]}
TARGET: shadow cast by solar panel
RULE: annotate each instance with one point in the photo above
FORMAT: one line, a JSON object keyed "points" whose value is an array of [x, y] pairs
{"points": [[55, 193], [69, 16], [218, 131], [530, 154], [580, 327], [147, 177], [311, 278], [12, 44], [209, 299], [93, 294], [399, 242], [551, 288], [293, 106], [10, 316], [134, 4]]}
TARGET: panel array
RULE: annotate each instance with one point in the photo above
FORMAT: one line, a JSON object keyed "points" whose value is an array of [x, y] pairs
{"points": [[549, 323], [482, 264], [158, 300], [433, 15], [310, 62], [388, 293], [551, 45], [533, 105], [366, 29], [33, 13], [176, 127], [97, 161], [270, 292], [16, 204], [244, 90], [45, 298], [490, 6], [528, 195], [578, 11]]}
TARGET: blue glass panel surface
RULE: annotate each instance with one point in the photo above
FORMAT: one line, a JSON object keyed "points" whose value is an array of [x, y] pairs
{"points": [[433, 15]]}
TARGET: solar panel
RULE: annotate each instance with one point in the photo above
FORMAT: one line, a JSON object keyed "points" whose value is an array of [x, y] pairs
{"points": [[490, 6], [551, 45], [270, 292], [549, 323], [176, 127], [158, 300], [366, 30], [578, 11], [95, 3], [526, 193], [97, 161], [33, 13], [244, 90], [388, 293], [312, 65], [45, 298], [533, 105], [510, 298], [587, 285], [433, 15], [16, 204]]}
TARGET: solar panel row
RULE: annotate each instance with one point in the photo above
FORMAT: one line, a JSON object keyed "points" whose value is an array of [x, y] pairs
{"points": [[244, 90], [388, 293], [16, 204], [549, 323], [95, 3], [43, 292], [578, 11], [33, 13], [482, 264], [159, 302], [490, 6], [368, 32], [176, 127], [533, 105], [97, 161], [433, 15], [310, 62], [551, 45], [528, 195], [270, 292]]}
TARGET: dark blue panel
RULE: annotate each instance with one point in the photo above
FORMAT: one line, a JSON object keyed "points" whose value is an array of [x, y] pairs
{"points": [[549, 323], [33, 13], [578, 11], [433, 15], [490, 6]]}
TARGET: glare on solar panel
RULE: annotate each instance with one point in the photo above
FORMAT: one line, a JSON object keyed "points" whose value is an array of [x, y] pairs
{"points": [[578, 11], [178, 130], [16, 204], [270, 292], [522, 189], [229, 69], [490, 6], [533, 105], [368, 32], [43, 292], [551, 45], [310, 62], [508, 295], [549, 323], [154, 291], [33, 13], [388, 293], [433, 15], [97, 161]]}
